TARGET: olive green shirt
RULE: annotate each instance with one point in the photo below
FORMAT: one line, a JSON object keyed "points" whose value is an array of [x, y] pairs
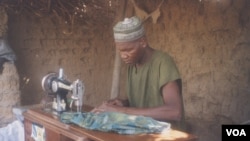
{"points": [[145, 82]]}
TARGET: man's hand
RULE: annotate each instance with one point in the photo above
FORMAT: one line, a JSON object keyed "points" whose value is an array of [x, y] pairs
{"points": [[116, 102], [111, 105], [105, 107]]}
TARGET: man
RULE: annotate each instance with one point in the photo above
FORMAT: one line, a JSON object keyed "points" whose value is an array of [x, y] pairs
{"points": [[153, 80]]}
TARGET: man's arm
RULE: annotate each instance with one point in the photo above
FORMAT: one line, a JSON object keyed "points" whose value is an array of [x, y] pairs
{"points": [[171, 110]]}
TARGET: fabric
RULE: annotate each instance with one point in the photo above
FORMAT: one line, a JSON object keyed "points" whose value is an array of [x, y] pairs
{"points": [[145, 82], [12, 132], [128, 30], [115, 122], [38, 132], [5, 51]]}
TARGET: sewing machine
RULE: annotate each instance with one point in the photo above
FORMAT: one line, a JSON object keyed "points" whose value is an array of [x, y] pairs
{"points": [[55, 84]]}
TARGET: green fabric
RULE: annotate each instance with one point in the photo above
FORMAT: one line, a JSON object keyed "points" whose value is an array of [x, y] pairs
{"points": [[115, 122], [145, 82]]}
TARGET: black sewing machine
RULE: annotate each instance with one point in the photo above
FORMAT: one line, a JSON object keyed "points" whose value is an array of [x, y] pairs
{"points": [[55, 84]]}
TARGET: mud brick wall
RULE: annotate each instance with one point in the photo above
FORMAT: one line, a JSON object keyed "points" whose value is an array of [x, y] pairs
{"points": [[42, 46]]}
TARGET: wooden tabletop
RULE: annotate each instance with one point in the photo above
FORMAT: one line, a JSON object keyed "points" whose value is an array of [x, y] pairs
{"points": [[48, 119]]}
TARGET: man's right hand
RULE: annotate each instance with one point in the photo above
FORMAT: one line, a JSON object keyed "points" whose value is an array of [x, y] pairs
{"points": [[116, 102], [110, 105]]}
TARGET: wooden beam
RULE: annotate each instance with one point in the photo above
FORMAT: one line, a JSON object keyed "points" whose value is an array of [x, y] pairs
{"points": [[115, 88]]}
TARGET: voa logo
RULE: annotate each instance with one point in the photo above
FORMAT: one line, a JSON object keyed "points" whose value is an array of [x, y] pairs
{"points": [[236, 132]]}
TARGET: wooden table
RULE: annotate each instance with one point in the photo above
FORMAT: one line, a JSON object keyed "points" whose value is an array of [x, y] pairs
{"points": [[58, 131]]}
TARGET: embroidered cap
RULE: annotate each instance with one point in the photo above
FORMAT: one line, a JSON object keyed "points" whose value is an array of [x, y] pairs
{"points": [[128, 30]]}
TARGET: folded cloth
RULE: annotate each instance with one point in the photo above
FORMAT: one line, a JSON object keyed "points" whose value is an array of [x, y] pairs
{"points": [[115, 122]]}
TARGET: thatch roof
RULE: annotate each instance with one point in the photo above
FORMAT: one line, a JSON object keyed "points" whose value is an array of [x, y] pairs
{"points": [[86, 13], [69, 11]]}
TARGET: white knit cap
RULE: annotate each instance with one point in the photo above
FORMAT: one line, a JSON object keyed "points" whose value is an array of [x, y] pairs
{"points": [[129, 29]]}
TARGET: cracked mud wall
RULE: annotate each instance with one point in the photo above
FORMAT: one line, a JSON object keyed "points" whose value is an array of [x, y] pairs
{"points": [[9, 78]]}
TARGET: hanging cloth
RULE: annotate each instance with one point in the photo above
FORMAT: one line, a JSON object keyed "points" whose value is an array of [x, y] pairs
{"points": [[5, 51]]}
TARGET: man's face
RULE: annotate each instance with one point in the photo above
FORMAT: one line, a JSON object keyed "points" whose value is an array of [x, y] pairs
{"points": [[130, 52]]}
